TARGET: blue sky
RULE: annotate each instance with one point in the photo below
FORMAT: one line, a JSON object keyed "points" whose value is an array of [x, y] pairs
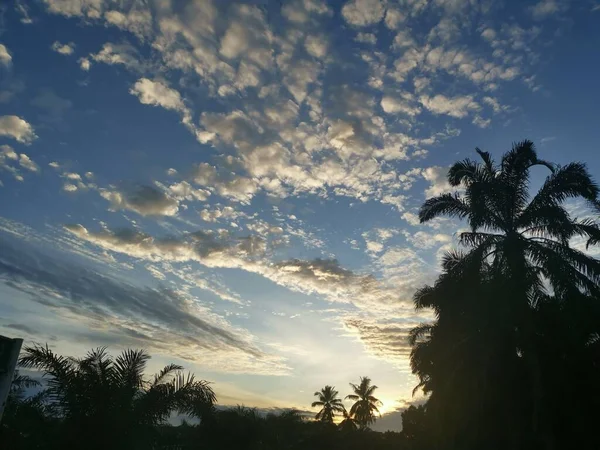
{"points": [[234, 186]]}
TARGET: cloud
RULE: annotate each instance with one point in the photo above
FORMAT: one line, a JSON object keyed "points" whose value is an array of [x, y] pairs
{"points": [[366, 38], [546, 8], [385, 340], [5, 57], [123, 54], [84, 64], [363, 12], [323, 277], [137, 20], [438, 182], [21, 327], [26, 162], [425, 240], [63, 49], [163, 320], [9, 159], [302, 11], [393, 18], [17, 128], [157, 93], [144, 200], [403, 103], [458, 107]]}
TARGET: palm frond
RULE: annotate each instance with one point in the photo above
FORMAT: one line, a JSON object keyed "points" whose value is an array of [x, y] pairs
{"points": [[446, 204], [165, 374]]}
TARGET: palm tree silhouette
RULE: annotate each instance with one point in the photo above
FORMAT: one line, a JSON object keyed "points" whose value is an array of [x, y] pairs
{"points": [[329, 403], [365, 404], [518, 263], [99, 392]]}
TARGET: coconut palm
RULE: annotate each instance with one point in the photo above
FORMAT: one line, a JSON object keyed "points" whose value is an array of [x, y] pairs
{"points": [[330, 404], [365, 404], [99, 392], [523, 236], [518, 261]]}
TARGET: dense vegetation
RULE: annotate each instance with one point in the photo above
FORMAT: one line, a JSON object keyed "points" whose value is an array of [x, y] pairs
{"points": [[511, 361]]}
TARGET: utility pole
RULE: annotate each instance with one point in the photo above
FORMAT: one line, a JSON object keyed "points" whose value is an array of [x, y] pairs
{"points": [[9, 354]]}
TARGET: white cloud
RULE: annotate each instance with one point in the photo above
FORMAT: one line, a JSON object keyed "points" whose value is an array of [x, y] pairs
{"points": [[366, 38], [84, 64], [425, 240], [316, 46], [393, 18], [437, 177], [157, 93], [89, 8], [123, 54], [363, 12], [63, 49], [546, 8], [411, 218], [403, 39], [481, 122], [404, 103], [302, 11], [137, 20], [17, 128], [5, 56], [26, 162], [458, 107], [185, 191], [9, 159], [144, 200]]}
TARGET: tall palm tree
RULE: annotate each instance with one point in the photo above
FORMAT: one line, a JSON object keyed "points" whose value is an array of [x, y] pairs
{"points": [[99, 392], [365, 404], [329, 403], [518, 261]]}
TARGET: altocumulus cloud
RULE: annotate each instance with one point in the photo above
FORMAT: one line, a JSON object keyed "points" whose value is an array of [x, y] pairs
{"points": [[17, 128]]}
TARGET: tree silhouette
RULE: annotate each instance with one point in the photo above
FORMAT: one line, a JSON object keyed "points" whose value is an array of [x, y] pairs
{"points": [[365, 404], [99, 392], [493, 301], [330, 404]]}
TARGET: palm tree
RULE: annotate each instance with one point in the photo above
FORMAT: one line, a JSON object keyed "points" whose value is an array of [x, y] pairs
{"points": [[365, 404], [99, 392], [329, 403], [518, 261]]}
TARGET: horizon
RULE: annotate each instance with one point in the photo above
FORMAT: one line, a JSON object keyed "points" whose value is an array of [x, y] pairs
{"points": [[235, 186]]}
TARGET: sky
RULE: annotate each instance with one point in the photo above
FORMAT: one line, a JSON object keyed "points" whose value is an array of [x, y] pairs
{"points": [[234, 186]]}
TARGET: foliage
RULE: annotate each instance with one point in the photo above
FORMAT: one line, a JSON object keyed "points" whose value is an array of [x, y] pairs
{"points": [[99, 392], [517, 312], [364, 409], [329, 403]]}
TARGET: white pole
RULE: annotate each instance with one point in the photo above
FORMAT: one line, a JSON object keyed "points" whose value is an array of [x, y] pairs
{"points": [[9, 355]]}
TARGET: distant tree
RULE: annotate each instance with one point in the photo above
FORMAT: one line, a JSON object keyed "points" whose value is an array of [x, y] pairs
{"points": [[348, 424], [29, 420], [107, 402], [365, 404], [330, 404]]}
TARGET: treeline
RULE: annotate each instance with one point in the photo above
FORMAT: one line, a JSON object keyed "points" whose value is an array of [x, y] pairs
{"points": [[511, 361], [99, 402]]}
